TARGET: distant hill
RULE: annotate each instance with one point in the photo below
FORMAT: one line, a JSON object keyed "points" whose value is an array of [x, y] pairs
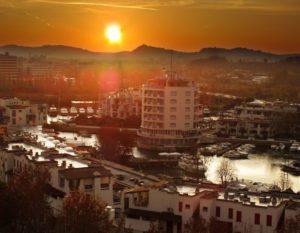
{"points": [[240, 54], [144, 52], [52, 51]]}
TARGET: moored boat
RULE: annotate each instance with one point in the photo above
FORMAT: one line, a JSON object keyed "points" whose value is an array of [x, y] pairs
{"points": [[53, 111], [64, 112], [293, 167], [90, 111], [73, 111], [81, 110]]}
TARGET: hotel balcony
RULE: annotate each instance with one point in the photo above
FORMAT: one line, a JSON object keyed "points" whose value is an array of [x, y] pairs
{"points": [[154, 111], [153, 103]]}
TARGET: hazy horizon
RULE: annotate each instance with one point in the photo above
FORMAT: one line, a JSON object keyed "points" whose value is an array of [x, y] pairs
{"points": [[131, 50]]}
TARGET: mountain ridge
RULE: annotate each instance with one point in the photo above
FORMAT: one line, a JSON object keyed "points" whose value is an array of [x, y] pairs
{"points": [[63, 51]]}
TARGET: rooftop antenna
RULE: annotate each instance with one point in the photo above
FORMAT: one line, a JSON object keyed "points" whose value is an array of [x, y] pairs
{"points": [[171, 63]]}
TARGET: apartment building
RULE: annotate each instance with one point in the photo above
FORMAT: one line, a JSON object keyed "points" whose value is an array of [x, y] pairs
{"points": [[243, 212], [9, 67], [234, 211], [16, 113], [260, 119], [67, 174], [122, 104], [171, 113], [159, 204]]}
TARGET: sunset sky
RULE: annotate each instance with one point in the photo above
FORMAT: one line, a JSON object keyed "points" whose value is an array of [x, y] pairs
{"points": [[188, 25]]}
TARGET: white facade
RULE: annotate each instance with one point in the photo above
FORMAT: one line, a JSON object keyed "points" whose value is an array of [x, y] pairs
{"points": [[167, 209], [18, 113], [67, 174], [258, 119], [234, 211], [122, 104], [243, 215], [171, 113]]}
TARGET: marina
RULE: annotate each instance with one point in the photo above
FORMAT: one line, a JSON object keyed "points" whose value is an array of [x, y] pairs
{"points": [[262, 166]]}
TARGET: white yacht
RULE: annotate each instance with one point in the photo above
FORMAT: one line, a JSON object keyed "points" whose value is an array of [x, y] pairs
{"points": [[191, 164], [81, 110], [53, 111], [90, 111], [64, 112], [73, 111], [294, 147]]}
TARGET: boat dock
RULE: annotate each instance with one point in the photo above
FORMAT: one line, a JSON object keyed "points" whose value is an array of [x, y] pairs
{"points": [[257, 142]]}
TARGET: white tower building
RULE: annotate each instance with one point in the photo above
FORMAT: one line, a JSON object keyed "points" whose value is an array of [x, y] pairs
{"points": [[171, 112]]}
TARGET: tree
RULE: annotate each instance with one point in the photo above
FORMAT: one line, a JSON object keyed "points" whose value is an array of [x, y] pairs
{"points": [[225, 171], [83, 213], [23, 203], [291, 225], [196, 225], [154, 228], [120, 228], [284, 182]]}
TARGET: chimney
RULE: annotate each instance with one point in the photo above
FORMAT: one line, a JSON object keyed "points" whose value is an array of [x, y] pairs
{"points": [[64, 164]]}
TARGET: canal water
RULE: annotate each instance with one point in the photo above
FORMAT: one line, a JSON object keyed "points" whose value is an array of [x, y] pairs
{"points": [[260, 166]]}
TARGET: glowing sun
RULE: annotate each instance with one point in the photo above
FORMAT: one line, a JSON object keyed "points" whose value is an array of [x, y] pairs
{"points": [[113, 33]]}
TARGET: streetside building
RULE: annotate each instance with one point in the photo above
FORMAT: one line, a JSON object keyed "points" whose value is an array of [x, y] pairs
{"points": [[15, 113], [67, 174], [122, 104], [260, 119], [170, 210], [160, 205], [171, 114]]}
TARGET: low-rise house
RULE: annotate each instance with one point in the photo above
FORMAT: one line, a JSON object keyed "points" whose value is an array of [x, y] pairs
{"points": [[67, 174], [15, 113], [243, 212], [171, 211], [161, 205]]}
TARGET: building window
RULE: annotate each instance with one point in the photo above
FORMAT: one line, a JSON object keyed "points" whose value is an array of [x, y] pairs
{"points": [[218, 211], [61, 182], [238, 216], [204, 209], [230, 213], [173, 93], [187, 93], [173, 125], [13, 113], [173, 101], [187, 117], [104, 186], [88, 186], [187, 109], [187, 101], [187, 125], [180, 206], [257, 219], [187, 206], [269, 220], [173, 109], [173, 117]]}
